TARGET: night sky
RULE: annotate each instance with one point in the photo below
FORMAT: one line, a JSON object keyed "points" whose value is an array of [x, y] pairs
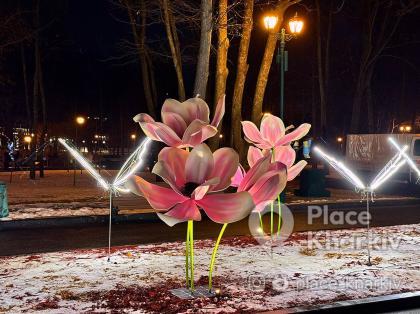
{"points": [[83, 75]]}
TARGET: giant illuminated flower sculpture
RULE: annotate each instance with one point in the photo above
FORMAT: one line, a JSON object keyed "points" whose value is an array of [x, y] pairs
{"points": [[284, 154], [193, 178], [184, 124], [272, 132]]}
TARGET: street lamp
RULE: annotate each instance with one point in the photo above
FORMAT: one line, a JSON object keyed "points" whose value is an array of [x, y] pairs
{"points": [[295, 27], [80, 120]]}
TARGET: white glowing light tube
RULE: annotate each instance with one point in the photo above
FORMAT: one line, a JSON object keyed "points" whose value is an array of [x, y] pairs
{"points": [[85, 164], [390, 168], [342, 169], [130, 166], [407, 158]]}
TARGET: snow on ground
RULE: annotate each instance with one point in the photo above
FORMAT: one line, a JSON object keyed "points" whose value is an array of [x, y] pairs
{"points": [[251, 277], [55, 195]]}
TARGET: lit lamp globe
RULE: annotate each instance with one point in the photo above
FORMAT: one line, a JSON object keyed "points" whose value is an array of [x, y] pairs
{"points": [[27, 139], [80, 120], [295, 25], [270, 21]]}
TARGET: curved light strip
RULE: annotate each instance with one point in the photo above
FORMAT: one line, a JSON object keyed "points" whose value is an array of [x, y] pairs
{"points": [[86, 164], [135, 158], [407, 158], [390, 168], [342, 169], [130, 166]]}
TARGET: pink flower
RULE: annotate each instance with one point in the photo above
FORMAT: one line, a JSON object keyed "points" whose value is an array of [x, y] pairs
{"points": [[283, 154], [183, 124], [272, 132], [264, 181], [193, 178]]}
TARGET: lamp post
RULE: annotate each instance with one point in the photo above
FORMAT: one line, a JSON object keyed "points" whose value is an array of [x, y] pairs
{"points": [[79, 122], [295, 27]]}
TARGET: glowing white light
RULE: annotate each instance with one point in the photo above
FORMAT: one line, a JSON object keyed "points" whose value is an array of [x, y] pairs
{"points": [[342, 169], [86, 164], [390, 168], [407, 158], [130, 166]]}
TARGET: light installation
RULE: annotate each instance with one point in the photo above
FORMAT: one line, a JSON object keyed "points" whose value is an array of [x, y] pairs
{"points": [[367, 192], [130, 166], [406, 157]]}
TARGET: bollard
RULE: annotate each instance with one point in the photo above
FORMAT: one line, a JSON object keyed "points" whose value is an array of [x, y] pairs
{"points": [[4, 208]]}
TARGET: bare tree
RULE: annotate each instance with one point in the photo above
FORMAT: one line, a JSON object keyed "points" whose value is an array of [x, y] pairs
{"points": [[202, 70], [171, 33], [221, 61], [270, 46], [139, 34], [380, 23], [241, 72]]}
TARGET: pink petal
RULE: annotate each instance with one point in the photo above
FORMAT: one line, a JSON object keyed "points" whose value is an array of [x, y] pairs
{"points": [[147, 124], [202, 189], [161, 169], [285, 155], [226, 162], [184, 211], [197, 132], [293, 171], [160, 198], [254, 154], [219, 112], [174, 106], [252, 135], [199, 164], [197, 109], [227, 207], [238, 176], [175, 122], [272, 128], [269, 186], [175, 160], [170, 221], [295, 135], [167, 135], [261, 167], [143, 117]]}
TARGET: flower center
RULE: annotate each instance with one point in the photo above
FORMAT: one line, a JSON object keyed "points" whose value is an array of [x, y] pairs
{"points": [[188, 188]]}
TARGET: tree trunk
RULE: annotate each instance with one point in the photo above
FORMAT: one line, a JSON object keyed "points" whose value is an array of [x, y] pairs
{"points": [[270, 46], [221, 64], [202, 70], [321, 78], [241, 72], [139, 40], [173, 41], [25, 85]]}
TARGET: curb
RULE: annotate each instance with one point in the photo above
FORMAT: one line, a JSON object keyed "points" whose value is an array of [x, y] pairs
{"points": [[54, 222], [380, 304]]}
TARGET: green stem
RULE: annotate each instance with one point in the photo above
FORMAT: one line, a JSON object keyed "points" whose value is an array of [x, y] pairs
{"points": [[272, 218], [191, 229], [279, 205], [187, 265], [213, 255], [261, 222]]}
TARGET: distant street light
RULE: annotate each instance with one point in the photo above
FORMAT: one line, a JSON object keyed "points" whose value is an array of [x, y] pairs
{"points": [[295, 27], [133, 137], [405, 128], [27, 139], [80, 120]]}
